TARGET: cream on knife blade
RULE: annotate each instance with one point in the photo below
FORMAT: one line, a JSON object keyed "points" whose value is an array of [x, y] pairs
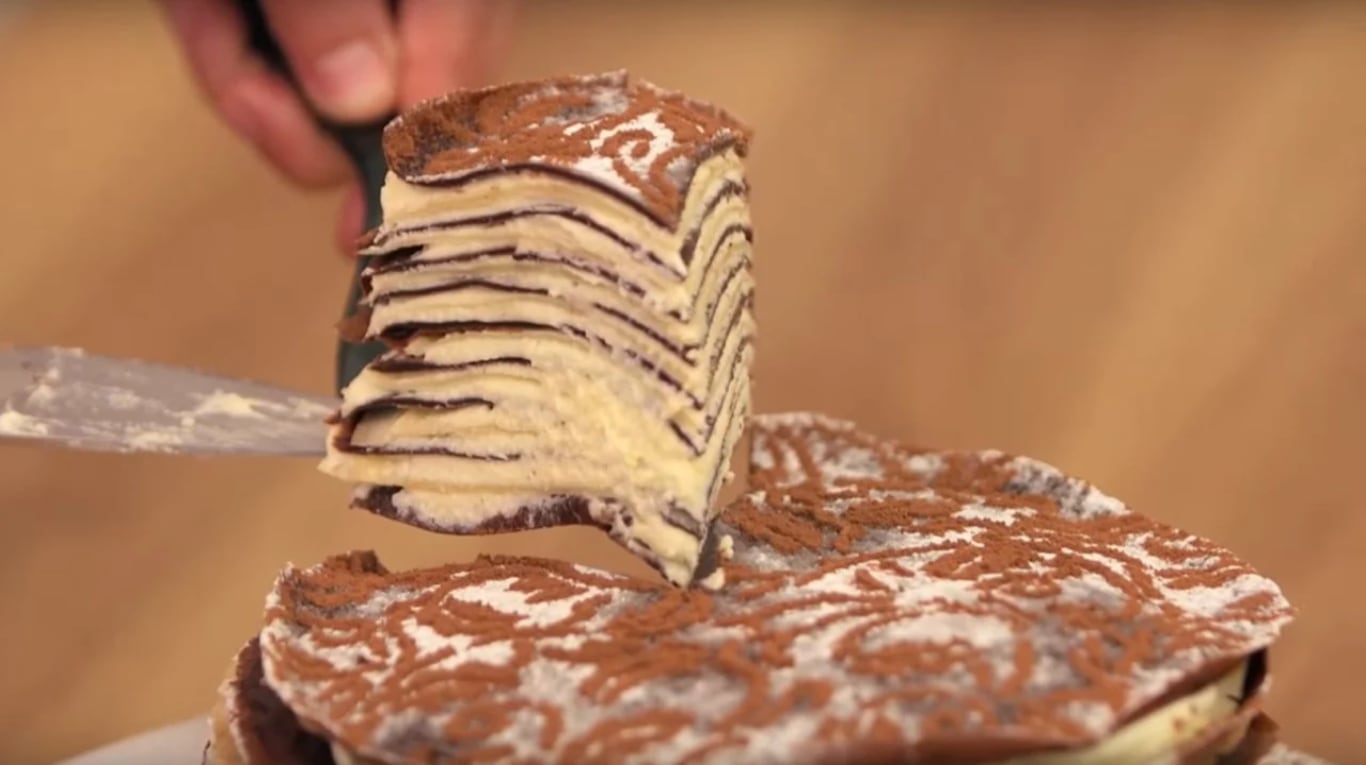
{"points": [[77, 400]]}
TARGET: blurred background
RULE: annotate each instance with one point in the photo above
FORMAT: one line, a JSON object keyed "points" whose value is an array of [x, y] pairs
{"points": [[1131, 242]]}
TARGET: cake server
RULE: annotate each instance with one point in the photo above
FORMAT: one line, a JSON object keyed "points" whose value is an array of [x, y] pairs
{"points": [[362, 144], [70, 398]]}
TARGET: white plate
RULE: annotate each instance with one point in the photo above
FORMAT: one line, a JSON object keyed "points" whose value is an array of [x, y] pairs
{"points": [[179, 744], [183, 744]]}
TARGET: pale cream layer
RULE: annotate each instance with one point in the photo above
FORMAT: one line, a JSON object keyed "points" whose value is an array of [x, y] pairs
{"points": [[632, 467], [538, 444], [408, 207], [702, 342], [1161, 735], [574, 291], [629, 505], [554, 236], [576, 433], [556, 357]]}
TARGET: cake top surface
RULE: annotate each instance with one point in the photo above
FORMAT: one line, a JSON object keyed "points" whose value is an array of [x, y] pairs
{"points": [[881, 599], [640, 141]]}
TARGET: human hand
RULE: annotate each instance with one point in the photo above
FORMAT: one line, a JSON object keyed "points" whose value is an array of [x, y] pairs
{"points": [[355, 61]]}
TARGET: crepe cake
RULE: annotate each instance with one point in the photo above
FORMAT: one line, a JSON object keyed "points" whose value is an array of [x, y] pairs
{"points": [[563, 277], [883, 604], [250, 724]]}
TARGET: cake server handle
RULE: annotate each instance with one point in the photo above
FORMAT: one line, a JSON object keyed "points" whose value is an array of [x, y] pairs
{"points": [[362, 144]]}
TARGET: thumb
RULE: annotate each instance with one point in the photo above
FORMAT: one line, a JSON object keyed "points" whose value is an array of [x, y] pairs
{"points": [[343, 52]]}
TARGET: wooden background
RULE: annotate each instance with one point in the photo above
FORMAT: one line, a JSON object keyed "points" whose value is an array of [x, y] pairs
{"points": [[1130, 242]]}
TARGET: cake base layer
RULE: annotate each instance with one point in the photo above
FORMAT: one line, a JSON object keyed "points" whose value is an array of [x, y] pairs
{"points": [[1207, 726]]}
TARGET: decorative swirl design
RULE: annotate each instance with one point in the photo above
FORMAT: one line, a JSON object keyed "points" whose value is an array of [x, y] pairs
{"points": [[883, 600], [640, 140]]}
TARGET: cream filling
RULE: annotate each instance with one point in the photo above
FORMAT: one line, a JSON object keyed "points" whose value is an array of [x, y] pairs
{"points": [[554, 356], [1160, 735], [407, 206], [562, 274], [699, 341], [633, 469], [621, 501], [579, 436], [531, 409], [709, 276], [343, 757]]}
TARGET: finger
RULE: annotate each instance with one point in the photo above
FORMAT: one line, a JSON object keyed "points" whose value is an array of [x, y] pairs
{"points": [[342, 51], [257, 105], [285, 132], [448, 44], [351, 220]]}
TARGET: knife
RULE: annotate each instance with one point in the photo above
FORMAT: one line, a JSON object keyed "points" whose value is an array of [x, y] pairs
{"points": [[70, 398], [67, 397]]}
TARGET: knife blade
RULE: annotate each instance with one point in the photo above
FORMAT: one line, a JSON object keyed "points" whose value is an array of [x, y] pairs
{"points": [[69, 398]]}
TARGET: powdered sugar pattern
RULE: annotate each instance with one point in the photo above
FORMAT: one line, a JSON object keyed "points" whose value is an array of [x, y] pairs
{"points": [[635, 138], [923, 598]]}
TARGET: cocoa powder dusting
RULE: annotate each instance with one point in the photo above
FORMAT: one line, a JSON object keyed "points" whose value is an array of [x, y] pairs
{"points": [[883, 604], [641, 140]]}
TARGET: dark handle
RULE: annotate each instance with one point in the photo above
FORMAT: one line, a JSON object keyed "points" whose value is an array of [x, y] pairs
{"points": [[363, 146]]}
